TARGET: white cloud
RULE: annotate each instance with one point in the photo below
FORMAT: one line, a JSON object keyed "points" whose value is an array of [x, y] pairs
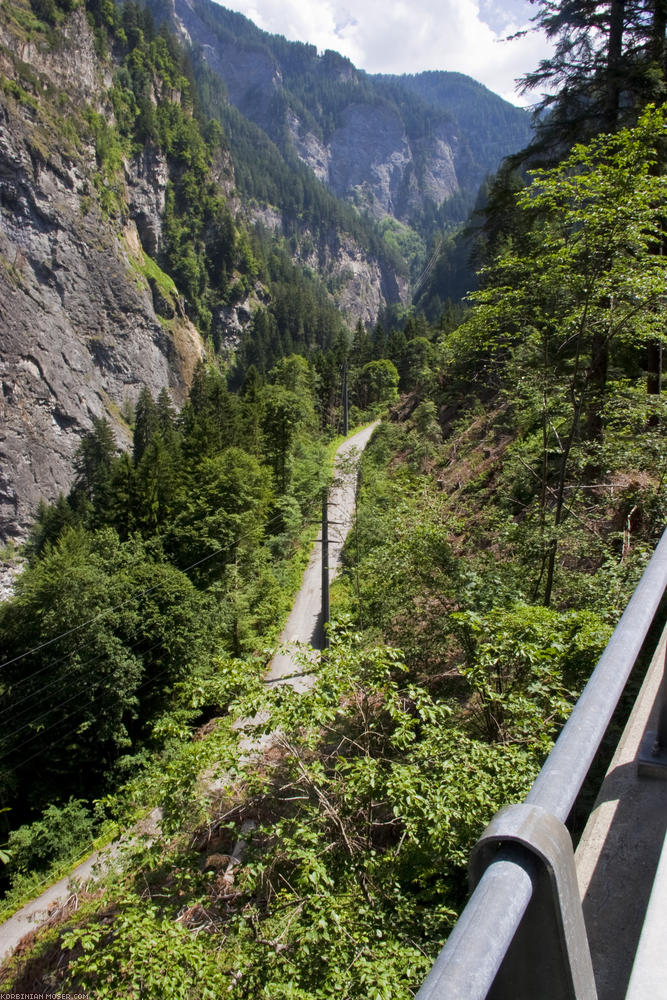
{"points": [[408, 36]]}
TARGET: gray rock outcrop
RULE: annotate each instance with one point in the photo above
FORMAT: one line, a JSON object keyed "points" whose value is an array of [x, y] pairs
{"points": [[79, 335]]}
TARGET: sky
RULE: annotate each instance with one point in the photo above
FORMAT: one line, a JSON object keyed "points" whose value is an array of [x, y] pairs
{"points": [[408, 36]]}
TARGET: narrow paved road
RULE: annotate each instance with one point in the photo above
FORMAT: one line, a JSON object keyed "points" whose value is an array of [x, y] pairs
{"points": [[303, 626], [39, 910]]}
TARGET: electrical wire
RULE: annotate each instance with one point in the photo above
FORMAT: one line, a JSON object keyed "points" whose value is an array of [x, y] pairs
{"points": [[98, 617], [55, 743], [148, 682], [69, 715], [90, 621], [98, 656], [83, 679], [116, 607], [58, 679]]}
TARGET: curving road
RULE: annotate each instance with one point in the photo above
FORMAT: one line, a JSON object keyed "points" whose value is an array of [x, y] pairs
{"points": [[303, 626]]}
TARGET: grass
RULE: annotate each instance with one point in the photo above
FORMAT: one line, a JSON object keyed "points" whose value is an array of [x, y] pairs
{"points": [[164, 283]]}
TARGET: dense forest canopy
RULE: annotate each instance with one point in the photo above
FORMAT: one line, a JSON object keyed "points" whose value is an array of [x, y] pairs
{"points": [[506, 508]]}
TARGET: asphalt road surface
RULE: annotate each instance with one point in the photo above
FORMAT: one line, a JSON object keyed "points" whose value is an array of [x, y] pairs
{"points": [[303, 626]]}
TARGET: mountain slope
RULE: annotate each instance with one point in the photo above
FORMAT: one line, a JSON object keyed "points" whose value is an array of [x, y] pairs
{"points": [[141, 211], [393, 146], [123, 241], [492, 128], [79, 330]]}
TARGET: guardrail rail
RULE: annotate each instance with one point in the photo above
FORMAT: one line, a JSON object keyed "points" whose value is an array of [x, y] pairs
{"points": [[522, 934]]}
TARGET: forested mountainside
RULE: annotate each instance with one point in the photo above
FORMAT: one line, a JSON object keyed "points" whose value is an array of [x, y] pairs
{"points": [[147, 220], [507, 505], [397, 146], [411, 152], [127, 253]]}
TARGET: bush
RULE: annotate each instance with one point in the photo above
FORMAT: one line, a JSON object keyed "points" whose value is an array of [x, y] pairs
{"points": [[62, 832]]}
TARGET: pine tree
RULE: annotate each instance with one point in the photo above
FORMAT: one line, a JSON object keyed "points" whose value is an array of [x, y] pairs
{"points": [[608, 63], [145, 424], [93, 462]]}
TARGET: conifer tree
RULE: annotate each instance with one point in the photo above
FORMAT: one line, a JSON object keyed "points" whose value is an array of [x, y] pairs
{"points": [[608, 62]]}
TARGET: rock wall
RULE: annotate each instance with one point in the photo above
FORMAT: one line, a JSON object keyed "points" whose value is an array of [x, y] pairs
{"points": [[79, 336], [364, 160], [358, 284]]}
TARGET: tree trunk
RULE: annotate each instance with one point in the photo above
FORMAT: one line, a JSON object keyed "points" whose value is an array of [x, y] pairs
{"points": [[658, 27], [614, 65], [598, 383], [654, 368], [658, 53]]}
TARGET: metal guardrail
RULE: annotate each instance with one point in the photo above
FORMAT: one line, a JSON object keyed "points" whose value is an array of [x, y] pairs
{"points": [[522, 934]]}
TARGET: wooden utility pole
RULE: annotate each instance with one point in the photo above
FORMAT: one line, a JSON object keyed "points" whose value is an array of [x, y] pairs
{"points": [[325, 566], [345, 402]]}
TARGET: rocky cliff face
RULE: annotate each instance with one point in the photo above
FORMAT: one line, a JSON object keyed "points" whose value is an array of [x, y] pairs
{"points": [[390, 146], [79, 334], [360, 286], [372, 161], [357, 282]]}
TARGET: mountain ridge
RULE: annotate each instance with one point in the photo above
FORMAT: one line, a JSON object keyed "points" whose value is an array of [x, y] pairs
{"points": [[321, 107], [146, 223]]}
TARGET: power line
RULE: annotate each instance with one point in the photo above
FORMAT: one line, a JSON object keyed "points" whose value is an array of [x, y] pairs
{"points": [[65, 736], [69, 715], [427, 270], [56, 680], [117, 607], [81, 681], [84, 678]]}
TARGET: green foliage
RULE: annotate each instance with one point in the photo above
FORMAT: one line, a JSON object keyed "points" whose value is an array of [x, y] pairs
{"points": [[117, 627], [93, 462], [52, 11], [154, 587], [575, 302], [606, 64], [146, 953], [589, 260], [15, 90], [406, 243], [377, 385], [224, 518], [401, 579], [60, 833], [526, 666], [110, 634], [353, 871], [284, 411]]}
